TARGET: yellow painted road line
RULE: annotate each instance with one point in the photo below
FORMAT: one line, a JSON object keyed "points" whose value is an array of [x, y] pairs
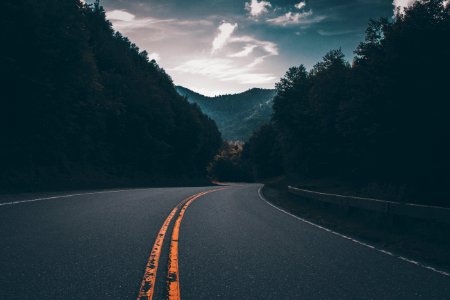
{"points": [[173, 275], [147, 288], [148, 283]]}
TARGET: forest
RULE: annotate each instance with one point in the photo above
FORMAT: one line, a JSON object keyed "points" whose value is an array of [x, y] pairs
{"points": [[82, 105], [384, 118]]}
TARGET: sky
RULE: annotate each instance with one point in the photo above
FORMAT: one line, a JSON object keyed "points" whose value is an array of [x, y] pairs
{"points": [[228, 46]]}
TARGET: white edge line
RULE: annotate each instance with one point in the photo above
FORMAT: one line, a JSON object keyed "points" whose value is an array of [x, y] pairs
{"points": [[64, 196], [354, 240]]}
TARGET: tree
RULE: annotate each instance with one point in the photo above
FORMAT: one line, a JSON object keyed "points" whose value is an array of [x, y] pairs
{"points": [[88, 105], [384, 119]]}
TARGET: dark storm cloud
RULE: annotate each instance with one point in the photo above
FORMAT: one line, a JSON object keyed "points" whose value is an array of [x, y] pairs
{"points": [[217, 46]]}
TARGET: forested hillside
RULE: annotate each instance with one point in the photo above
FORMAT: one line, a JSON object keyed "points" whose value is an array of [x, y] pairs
{"points": [[381, 121], [236, 115], [81, 103]]}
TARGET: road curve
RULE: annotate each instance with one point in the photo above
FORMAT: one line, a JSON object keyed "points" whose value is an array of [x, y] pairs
{"points": [[230, 245]]}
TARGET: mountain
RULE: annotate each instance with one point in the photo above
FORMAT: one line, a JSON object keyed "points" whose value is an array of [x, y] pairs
{"points": [[236, 115]]}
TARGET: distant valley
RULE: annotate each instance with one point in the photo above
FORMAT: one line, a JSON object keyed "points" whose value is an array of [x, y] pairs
{"points": [[237, 115]]}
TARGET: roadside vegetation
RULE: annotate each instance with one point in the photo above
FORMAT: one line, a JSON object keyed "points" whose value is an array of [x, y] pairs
{"points": [[380, 124], [226, 165]]}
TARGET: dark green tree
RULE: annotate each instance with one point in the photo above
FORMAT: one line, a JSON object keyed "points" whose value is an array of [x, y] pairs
{"points": [[84, 105]]}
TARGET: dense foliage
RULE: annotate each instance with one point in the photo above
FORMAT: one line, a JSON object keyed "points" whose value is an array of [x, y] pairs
{"points": [[81, 101], [385, 118], [236, 115], [226, 165]]}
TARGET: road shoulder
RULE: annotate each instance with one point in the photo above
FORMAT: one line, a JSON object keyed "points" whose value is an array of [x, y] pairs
{"points": [[416, 241]]}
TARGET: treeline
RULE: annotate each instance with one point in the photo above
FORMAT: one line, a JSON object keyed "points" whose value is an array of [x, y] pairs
{"points": [[236, 115], [82, 103], [385, 118]]}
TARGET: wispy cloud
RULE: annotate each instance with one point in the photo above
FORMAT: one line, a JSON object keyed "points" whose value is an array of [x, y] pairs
{"points": [[224, 70], [248, 49], [300, 5], [257, 8], [120, 15], [229, 65], [127, 22], [291, 18], [269, 47], [252, 78], [225, 32], [303, 17]]}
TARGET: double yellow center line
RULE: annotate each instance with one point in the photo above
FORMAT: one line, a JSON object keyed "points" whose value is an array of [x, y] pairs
{"points": [[147, 288]]}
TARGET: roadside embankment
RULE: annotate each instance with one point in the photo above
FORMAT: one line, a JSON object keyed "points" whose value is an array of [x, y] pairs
{"points": [[417, 238]]}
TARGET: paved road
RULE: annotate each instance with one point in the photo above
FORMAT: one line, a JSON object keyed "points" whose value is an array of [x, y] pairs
{"points": [[231, 245]]}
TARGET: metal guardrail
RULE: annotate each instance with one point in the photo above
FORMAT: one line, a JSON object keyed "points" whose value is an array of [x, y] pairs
{"points": [[436, 213]]}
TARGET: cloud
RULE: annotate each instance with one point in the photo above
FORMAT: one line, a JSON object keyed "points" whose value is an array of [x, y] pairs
{"points": [[300, 5], [120, 15], [225, 32], [126, 26], [269, 47], [252, 78], [236, 59], [257, 61], [224, 70], [296, 18], [127, 23], [248, 49], [229, 65], [291, 18], [257, 8], [225, 37]]}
